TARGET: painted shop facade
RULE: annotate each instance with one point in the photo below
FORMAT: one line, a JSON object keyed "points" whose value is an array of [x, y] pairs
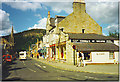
{"points": [[66, 36]]}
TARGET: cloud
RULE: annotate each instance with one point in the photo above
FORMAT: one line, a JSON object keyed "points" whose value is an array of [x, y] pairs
{"points": [[37, 0], [4, 20], [5, 27], [38, 15], [112, 28], [104, 34], [105, 13], [41, 24], [59, 0], [4, 23], [59, 6], [24, 5]]}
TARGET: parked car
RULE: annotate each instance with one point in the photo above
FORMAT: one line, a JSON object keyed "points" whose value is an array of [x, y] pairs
{"points": [[7, 58]]}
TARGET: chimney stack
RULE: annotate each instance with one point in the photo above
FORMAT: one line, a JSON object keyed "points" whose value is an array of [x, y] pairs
{"points": [[48, 14], [79, 6], [82, 1]]}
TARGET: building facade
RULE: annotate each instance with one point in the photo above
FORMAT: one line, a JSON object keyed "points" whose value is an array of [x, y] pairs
{"points": [[80, 30]]}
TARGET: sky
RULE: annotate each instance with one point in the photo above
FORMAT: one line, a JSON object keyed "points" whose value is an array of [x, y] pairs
{"points": [[32, 14]]}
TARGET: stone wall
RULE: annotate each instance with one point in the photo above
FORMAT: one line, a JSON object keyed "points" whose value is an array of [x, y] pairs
{"points": [[75, 23]]}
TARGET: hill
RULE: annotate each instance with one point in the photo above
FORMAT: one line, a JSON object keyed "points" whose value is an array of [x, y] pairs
{"points": [[24, 39]]}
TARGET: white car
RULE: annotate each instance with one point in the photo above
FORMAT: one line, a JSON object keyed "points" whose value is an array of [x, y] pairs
{"points": [[22, 55]]}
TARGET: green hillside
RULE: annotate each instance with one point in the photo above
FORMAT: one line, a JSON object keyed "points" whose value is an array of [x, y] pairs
{"points": [[24, 39]]}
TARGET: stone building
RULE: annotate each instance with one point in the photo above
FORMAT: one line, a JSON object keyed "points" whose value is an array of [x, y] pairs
{"points": [[79, 29]]}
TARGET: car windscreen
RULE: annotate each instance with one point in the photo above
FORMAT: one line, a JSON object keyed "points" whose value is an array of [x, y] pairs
{"points": [[8, 56], [22, 54], [4, 57]]}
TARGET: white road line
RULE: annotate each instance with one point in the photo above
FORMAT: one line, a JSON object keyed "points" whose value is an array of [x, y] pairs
{"points": [[38, 65], [31, 70], [44, 66], [23, 62], [91, 77]]}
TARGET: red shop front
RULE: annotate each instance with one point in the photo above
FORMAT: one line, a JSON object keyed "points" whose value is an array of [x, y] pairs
{"points": [[53, 50]]}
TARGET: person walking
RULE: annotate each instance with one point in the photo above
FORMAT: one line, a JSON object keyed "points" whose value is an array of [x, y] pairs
{"points": [[79, 59], [82, 59], [37, 55]]}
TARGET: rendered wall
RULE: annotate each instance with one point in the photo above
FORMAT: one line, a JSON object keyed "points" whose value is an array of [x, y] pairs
{"points": [[69, 53], [100, 57]]}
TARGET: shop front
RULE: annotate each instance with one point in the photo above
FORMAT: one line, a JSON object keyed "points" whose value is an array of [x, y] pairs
{"points": [[98, 53], [53, 51]]}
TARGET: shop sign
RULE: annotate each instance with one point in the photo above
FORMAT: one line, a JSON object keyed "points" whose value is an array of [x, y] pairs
{"points": [[47, 45], [100, 40], [100, 53]]}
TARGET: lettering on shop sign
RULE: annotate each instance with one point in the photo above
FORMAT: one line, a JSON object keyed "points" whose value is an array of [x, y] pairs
{"points": [[74, 40], [84, 40], [100, 40], [100, 54]]}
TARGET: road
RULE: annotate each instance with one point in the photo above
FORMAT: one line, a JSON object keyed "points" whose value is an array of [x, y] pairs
{"points": [[32, 70]]}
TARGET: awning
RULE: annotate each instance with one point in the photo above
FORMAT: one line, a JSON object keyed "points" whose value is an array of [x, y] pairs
{"points": [[52, 45]]}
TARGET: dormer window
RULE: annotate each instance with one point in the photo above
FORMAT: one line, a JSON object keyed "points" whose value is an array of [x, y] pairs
{"points": [[83, 30]]}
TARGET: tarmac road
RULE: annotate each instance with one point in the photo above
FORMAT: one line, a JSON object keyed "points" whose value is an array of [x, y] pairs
{"points": [[32, 70]]}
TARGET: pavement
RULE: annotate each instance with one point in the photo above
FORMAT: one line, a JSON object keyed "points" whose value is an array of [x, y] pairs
{"points": [[101, 69]]}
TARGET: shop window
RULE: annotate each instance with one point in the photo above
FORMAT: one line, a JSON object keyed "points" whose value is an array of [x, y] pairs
{"points": [[86, 56], [111, 55]]}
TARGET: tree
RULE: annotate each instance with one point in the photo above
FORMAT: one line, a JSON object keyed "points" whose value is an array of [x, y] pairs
{"points": [[114, 34]]}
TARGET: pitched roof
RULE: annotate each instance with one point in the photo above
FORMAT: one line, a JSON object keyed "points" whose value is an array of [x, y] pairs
{"points": [[59, 18], [85, 36], [52, 21], [96, 47]]}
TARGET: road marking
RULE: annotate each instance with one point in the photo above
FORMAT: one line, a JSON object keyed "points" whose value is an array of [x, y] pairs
{"points": [[23, 62], [63, 71], [91, 77], [31, 70], [44, 66], [38, 65]]}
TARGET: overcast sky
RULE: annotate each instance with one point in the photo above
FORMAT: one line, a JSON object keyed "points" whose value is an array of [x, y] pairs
{"points": [[32, 14]]}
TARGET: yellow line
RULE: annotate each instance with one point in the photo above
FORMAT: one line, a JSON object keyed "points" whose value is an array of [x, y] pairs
{"points": [[31, 70], [38, 65]]}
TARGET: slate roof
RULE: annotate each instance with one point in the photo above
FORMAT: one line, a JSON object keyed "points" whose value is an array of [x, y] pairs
{"points": [[92, 36], [59, 18], [96, 47], [52, 21]]}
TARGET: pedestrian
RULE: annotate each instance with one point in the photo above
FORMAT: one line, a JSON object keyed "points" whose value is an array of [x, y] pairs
{"points": [[37, 55], [79, 59], [32, 55], [82, 59]]}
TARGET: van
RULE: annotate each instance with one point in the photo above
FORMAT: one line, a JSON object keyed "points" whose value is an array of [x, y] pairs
{"points": [[22, 55]]}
